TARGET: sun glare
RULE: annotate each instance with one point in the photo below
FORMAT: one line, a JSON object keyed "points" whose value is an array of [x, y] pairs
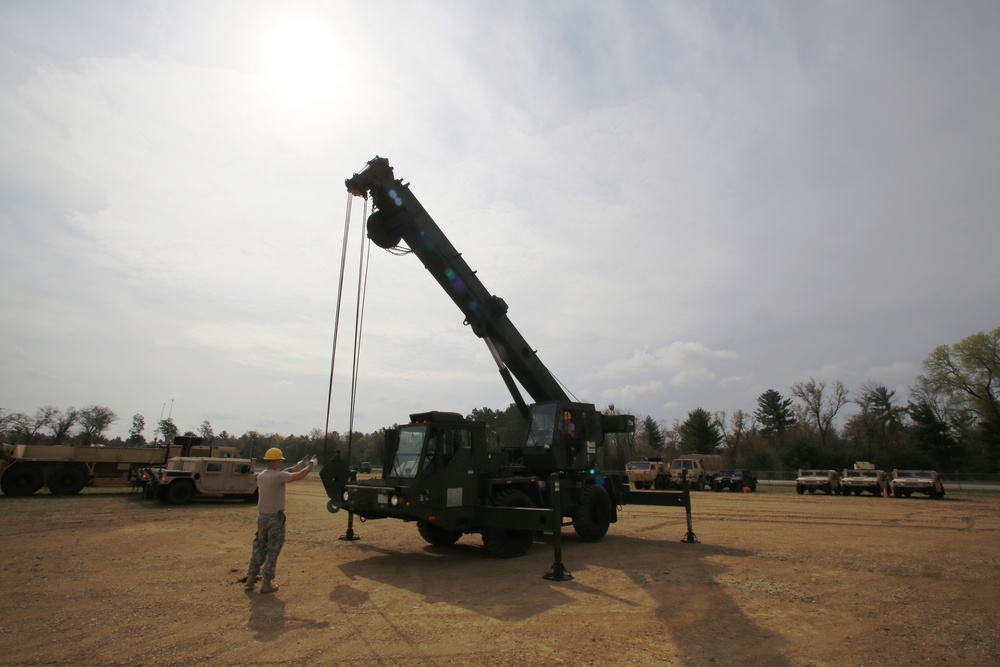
{"points": [[300, 60]]}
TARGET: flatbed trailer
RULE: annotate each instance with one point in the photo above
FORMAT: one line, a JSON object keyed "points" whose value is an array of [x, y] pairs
{"points": [[68, 469]]}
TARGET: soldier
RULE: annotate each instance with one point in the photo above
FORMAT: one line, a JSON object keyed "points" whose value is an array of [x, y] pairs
{"points": [[270, 535]]}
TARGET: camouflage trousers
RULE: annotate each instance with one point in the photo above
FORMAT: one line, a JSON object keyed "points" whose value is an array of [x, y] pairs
{"points": [[267, 545]]}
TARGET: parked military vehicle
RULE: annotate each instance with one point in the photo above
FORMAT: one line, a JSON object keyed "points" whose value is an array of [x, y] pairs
{"points": [[827, 481], [185, 478], [438, 472], [700, 470], [735, 480], [907, 482], [649, 474], [864, 477], [68, 469]]}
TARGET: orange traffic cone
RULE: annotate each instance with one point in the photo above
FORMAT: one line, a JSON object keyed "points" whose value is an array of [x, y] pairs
{"points": [[886, 490], [746, 490]]}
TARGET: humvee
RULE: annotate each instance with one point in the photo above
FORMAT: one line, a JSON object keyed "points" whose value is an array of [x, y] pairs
{"points": [[864, 477], [827, 481], [908, 482], [735, 481], [184, 478]]}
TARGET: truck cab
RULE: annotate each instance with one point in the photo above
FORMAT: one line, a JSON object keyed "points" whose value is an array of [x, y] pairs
{"points": [[652, 472], [700, 470]]}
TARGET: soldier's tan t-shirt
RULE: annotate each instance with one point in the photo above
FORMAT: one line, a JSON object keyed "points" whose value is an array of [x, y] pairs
{"points": [[271, 490]]}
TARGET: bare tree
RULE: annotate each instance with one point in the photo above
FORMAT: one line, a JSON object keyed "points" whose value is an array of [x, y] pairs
{"points": [[6, 419], [94, 421], [28, 426], [62, 423], [206, 431], [738, 431], [820, 407]]}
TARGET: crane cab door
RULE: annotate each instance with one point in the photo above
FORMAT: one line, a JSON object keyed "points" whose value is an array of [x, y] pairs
{"points": [[447, 467]]}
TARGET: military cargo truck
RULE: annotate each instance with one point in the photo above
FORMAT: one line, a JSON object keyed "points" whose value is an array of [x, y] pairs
{"points": [[701, 470], [67, 469], [648, 474]]}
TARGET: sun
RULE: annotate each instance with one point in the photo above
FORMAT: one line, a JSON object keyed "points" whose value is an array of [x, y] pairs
{"points": [[300, 61]]}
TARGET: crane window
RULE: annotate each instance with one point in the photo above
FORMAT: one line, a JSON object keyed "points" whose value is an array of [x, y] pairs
{"points": [[411, 443], [443, 446], [543, 423]]}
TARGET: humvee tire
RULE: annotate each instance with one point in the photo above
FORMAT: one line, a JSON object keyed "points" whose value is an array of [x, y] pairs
{"points": [[179, 493]]}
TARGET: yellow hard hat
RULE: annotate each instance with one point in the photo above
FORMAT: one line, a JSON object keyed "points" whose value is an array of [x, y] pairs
{"points": [[273, 454]]}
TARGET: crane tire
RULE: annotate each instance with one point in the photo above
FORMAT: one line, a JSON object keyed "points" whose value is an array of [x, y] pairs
{"points": [[593, 514], [508, 542], [436, 535]]}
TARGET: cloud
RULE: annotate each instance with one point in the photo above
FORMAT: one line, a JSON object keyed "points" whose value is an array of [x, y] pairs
{"points": [[681, 205]]}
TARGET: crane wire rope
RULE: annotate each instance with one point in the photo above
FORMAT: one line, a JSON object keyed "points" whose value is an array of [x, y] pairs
{"points": [[359, 314], [336, 323]]}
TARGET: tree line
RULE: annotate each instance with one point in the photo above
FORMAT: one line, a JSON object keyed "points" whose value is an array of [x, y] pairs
{"points": [[950, 422], [86, 427]]}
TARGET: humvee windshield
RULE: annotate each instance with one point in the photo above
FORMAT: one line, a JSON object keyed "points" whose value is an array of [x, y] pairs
{"points": [[904, 474], [924, 474], [682, 465], [638, 465], [871, 474]]}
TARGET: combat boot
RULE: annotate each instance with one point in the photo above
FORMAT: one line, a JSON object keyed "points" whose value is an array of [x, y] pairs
{"points": [[251, 582], [266, 586]]}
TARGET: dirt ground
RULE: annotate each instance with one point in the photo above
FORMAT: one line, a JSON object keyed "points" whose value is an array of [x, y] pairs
{"points": [[107, 578]]}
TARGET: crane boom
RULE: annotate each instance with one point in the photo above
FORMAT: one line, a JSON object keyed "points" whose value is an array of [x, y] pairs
{"points": [[398, 216]]}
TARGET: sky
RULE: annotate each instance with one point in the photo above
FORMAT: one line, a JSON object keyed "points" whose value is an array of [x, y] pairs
{"points": [[684, 204]]}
